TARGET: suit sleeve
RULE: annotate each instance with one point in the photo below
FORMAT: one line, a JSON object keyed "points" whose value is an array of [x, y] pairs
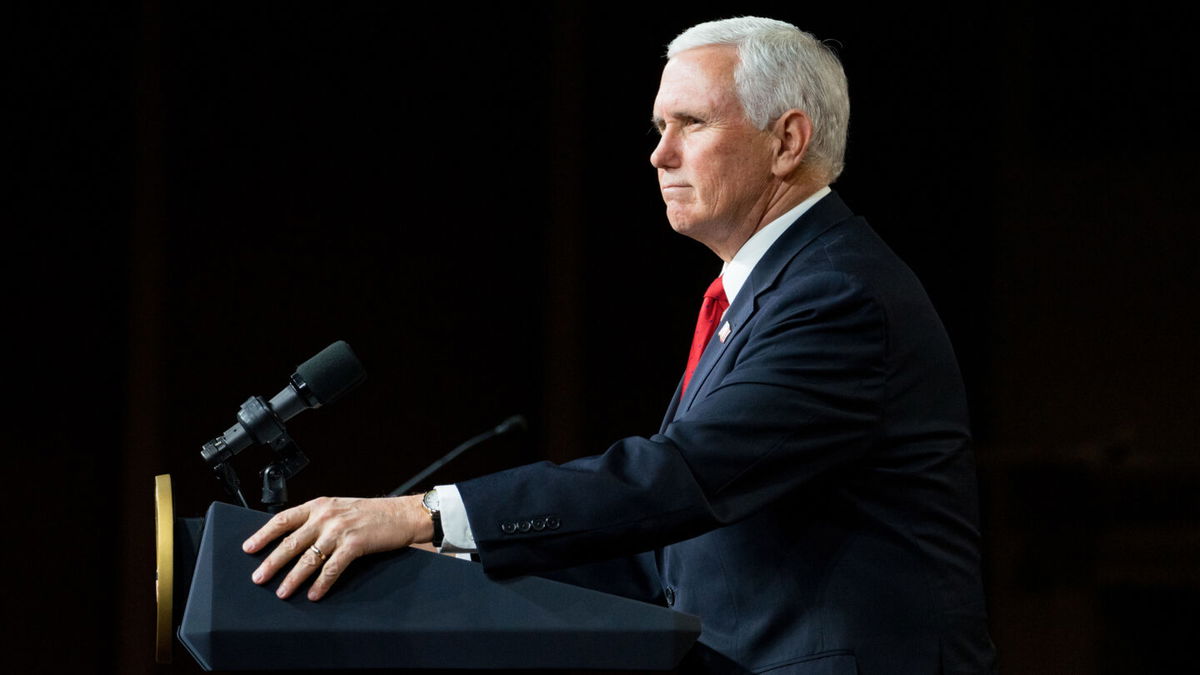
{"points": [[794, 398]]}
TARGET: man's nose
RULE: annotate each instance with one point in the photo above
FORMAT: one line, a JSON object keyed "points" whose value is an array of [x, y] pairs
{"points": [[666, 154]]}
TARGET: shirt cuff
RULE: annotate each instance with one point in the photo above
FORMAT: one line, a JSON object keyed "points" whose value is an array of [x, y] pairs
{"points": [[456, 529]]}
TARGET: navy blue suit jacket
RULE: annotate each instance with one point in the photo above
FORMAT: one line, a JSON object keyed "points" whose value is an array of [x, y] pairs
{"points": [[812, 496]]}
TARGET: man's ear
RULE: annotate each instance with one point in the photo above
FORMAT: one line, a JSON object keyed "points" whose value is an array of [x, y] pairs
{"points": [[793, 132]]}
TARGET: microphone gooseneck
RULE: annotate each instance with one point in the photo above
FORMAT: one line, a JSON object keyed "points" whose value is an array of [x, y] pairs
{"points": [[514, 423]]}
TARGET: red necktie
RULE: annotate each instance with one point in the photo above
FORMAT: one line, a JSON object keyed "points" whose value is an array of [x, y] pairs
{"points": [[711, 311]]}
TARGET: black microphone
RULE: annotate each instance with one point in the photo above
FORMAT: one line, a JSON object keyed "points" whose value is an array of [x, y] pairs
{"points": [[318, 381], [514, 423]]}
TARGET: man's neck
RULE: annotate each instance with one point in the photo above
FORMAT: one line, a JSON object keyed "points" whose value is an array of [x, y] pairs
{"points": [[737, 270], [787, 198]]}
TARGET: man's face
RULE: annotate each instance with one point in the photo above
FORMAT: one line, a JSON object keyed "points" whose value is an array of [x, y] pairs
{"points": [[714, 167]]}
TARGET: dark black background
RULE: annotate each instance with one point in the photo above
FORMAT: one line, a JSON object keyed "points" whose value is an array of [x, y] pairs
{"points": [[199, 196]]}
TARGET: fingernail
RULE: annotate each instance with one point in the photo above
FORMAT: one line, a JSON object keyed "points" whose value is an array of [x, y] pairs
{"points": [[257, 576], [312, 595], [248, 545], [282, 592]]}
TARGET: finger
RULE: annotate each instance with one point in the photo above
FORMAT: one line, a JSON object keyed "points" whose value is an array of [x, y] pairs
{"points": [[310, 561], [280, 523], [331, 570], [289, 547]]}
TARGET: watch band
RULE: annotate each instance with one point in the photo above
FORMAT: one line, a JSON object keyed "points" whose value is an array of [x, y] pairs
{"points": [[433, 506]]}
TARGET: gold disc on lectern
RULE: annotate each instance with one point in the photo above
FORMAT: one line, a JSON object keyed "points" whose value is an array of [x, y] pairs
{"points": [[164, 557]]}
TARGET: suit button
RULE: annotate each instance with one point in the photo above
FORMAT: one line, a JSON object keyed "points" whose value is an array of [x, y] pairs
{"points": [[525, 526], [508, 527], [669, 593], [539, 524], [552, 523]]}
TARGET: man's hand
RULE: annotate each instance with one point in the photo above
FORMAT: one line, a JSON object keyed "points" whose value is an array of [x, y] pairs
{"points": [[330, 532]]}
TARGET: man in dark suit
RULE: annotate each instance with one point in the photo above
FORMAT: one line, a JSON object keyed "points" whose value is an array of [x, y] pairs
{"points": [[811, 493]]}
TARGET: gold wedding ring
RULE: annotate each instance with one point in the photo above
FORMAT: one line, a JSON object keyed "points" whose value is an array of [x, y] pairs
{"points": [[320, 555]]}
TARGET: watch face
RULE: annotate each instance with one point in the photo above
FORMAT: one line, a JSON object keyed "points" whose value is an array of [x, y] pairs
{"points": [[431, 501]]}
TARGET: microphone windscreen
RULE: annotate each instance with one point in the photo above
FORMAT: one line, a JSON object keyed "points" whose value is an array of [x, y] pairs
{"points": [[332, 372]]}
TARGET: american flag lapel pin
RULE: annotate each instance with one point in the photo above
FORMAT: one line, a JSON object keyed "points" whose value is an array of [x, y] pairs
{"points": [[725, 331]]}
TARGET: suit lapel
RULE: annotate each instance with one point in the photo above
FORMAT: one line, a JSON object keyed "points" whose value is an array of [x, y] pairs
{"points": [[813, 223]]}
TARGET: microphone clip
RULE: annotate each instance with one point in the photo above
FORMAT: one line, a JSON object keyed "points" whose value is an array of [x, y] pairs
{"points": [[259, 421], [289, 460]]}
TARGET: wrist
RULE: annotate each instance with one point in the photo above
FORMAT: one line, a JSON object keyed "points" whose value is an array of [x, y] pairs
{"points": [[418, 517]]}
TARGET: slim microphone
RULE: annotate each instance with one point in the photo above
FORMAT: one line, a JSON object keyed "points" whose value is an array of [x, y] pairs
{"points": [[318, 381], [514, 423]]}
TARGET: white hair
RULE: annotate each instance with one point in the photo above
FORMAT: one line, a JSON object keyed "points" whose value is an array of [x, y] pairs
{"points": [[780, 67]]}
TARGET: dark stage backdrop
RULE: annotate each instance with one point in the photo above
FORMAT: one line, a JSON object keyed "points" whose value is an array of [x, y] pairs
{"points": [[204, 195]]}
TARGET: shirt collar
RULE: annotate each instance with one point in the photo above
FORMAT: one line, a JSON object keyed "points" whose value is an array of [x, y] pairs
{"points": [[736, 271]]}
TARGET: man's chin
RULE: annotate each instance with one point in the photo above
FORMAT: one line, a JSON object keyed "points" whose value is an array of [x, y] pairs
{"points": [[680, 226], [680, 219], [686, 227]]}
